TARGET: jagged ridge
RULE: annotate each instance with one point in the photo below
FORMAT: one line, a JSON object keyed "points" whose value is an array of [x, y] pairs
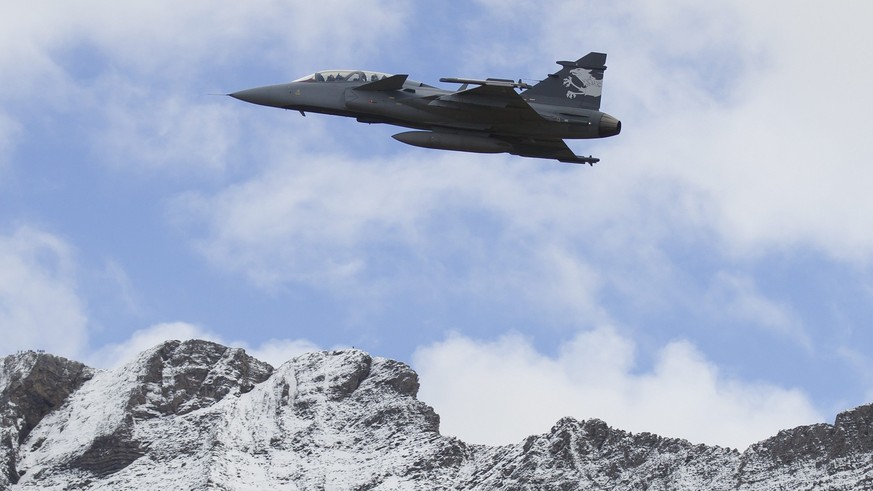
{"points": [[32, 384], [198, 415]]}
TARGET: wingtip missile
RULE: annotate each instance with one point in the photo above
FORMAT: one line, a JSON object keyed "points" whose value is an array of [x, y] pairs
{"points": [[498, 82]]}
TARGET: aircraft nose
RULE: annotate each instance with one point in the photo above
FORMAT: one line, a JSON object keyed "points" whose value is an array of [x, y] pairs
{"points": [[609, 126], [270, 95]]}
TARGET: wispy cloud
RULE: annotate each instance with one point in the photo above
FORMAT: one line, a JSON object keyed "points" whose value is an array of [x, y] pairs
{"points": [[736, 297], [9, 130], [40, 306], [744, 138], [500, 391], [273, 351]]}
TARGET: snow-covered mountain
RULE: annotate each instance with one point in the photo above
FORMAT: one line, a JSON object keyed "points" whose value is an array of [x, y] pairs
{"points": [[198, 415]]}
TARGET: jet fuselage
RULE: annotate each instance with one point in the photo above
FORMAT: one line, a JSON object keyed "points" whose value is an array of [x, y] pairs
{"points": [[491, 117]]}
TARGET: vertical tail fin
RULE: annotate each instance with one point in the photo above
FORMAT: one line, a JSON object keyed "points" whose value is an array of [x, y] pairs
{"points": [[579, 83]]}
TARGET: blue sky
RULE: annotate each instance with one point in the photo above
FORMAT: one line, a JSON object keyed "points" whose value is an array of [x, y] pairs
{"points": [[709, 279]]}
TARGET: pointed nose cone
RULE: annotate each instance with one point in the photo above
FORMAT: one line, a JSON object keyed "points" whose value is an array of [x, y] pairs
{"points": [[271, 95]]}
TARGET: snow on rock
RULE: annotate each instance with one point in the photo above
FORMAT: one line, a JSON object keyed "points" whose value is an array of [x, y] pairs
{"points": [[32, 384], [838, 456], [98, 431], [198, 415]]}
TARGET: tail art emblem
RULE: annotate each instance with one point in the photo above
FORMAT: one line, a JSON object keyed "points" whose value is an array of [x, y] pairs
{"points": [[587, 84]]}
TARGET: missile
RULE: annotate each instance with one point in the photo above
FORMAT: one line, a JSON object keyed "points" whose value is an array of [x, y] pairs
{"points": [[499, 82], [453, 141]]}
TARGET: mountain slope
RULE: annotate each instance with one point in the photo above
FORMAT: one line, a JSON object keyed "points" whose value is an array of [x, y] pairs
{"points": [[198, 415], [31, 385]]}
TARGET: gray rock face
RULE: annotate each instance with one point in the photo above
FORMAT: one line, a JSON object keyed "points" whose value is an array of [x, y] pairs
{"points": [[838, 456], [31, 385], [176, 378], [197, 415]]}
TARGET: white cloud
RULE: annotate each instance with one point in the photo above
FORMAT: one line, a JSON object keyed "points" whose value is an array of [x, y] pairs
{"points": [[744, 133], [501, 391], [116, 354], [711, 155], [142, 69], [278, 351], [860, 362], [782, 160], [143, 131], [170, 39], [40, 307], [326, 220], [759, 117], [736, 297], [273, 351], [306, 222], [121, 286]]}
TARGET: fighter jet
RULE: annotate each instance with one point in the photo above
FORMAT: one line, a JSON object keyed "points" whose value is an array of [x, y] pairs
{"points": [[492, 116]]}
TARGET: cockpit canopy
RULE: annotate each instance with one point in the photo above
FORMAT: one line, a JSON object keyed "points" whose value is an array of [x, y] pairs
{"points": [[343, 76]]}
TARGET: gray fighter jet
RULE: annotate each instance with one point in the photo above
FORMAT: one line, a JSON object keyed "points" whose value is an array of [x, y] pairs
{"points": [[490, 117]]}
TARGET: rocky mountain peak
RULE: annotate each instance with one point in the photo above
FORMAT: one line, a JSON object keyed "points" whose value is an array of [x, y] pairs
{"points": [[198, 415], [178, 377], [372, 392], [854, 430], [32, 384]]}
